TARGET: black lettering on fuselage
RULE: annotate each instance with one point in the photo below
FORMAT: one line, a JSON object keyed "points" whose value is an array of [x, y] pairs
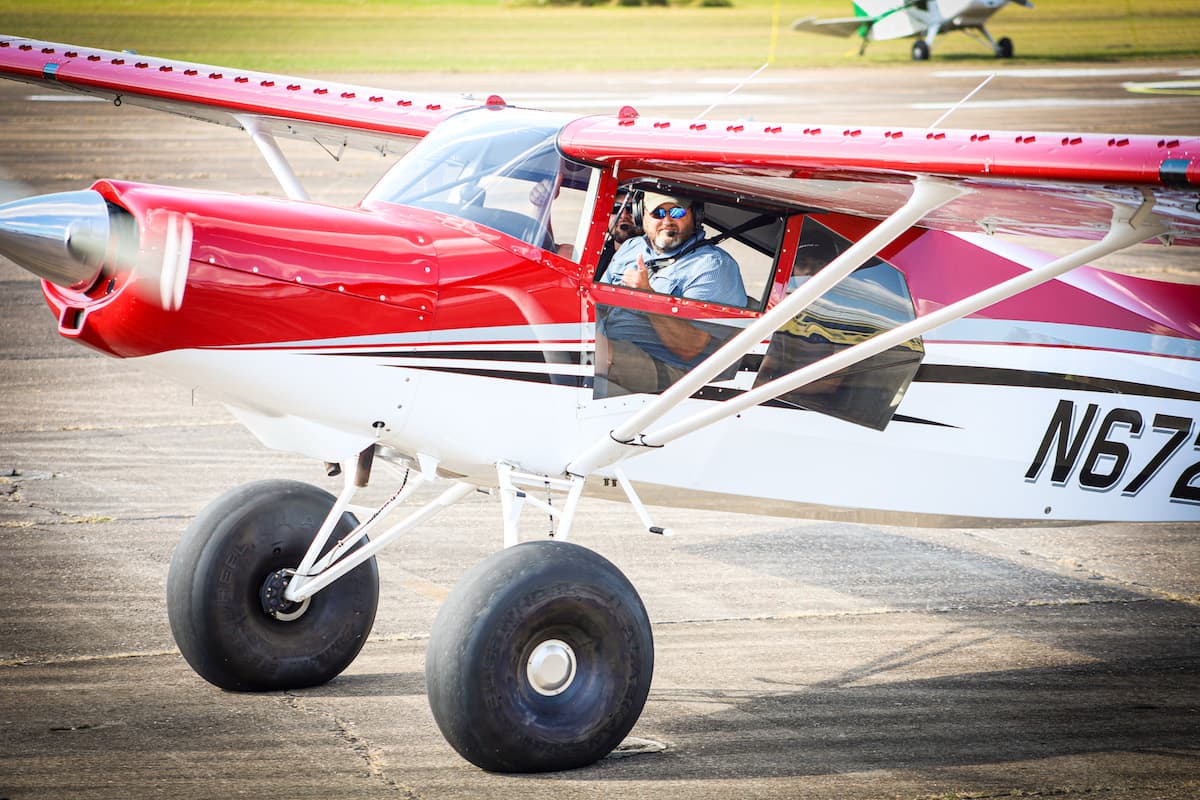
{"points": [[1181, 427], [1069, 442], [1109, 452], [1111, 456]]}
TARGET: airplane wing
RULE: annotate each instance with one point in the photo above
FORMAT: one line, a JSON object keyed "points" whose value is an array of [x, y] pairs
{"points": [[334, 114], [1045, 184], [836, 26]]}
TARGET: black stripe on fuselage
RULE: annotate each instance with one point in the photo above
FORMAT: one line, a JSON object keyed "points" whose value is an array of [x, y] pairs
{"points": [[927, 373], [1029, 379], [523, 356], [577, 381]]}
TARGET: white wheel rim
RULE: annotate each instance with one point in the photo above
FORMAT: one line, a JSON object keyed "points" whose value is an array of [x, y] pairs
{"points": [[551, 667]]}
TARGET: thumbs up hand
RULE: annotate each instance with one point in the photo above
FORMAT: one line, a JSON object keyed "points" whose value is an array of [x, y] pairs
{"points": [[637, 277]]}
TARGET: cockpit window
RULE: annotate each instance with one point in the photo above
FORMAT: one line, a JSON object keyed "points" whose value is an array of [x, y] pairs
{"points": [[500, 168]]}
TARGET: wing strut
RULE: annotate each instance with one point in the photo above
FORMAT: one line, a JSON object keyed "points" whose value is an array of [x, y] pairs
{"points": [[928, 194], [276, 160], [1129, 226]]}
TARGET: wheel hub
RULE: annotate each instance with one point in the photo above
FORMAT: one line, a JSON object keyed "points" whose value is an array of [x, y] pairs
{"points": [[551, 667], [274, 603]]}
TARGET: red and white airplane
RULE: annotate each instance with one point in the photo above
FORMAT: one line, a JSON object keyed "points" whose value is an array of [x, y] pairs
{"points": [[890, 361]]}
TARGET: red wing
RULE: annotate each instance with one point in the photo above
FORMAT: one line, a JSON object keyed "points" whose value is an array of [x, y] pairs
{"points": [[338, 114], [1049, 184]]}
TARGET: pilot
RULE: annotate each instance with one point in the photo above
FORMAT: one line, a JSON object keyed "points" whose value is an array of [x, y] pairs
{"points": [[638, 352], [621, 227], [543, 195]]}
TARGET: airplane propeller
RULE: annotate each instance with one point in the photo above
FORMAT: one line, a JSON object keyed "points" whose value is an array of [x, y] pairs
{"points": [[62, 238], [72, 238]]}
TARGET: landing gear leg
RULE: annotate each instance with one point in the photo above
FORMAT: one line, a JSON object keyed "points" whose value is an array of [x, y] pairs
{"points": [[1003, 48], [539, 660]]}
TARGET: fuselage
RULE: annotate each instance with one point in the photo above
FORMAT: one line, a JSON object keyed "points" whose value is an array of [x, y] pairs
{"points": [[326, 330]]}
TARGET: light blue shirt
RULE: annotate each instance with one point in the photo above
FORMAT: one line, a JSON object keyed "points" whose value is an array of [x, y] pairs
{"points": [[704, 273]]}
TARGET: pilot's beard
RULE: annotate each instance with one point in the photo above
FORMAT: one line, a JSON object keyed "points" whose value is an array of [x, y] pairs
{"points": [[667, 240]]}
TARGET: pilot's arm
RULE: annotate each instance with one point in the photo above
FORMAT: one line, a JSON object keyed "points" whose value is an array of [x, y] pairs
{"points": [[719, 281]]}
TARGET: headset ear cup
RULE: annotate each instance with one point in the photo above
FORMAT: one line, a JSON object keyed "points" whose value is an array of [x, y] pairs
{"points": [[698, 214], [639, 207]]}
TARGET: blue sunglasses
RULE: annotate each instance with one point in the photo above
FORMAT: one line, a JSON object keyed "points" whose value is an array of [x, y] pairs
{"points": [[676, 212]]}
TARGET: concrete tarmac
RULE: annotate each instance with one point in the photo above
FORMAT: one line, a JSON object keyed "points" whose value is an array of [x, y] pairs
{"points": [[794, 659]]}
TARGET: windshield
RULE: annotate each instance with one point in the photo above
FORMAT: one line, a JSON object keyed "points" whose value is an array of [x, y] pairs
{"points": [[497, 167]]}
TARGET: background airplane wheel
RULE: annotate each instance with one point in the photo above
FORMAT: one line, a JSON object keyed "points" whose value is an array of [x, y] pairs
{"points": [[1004, 48], [920, 50], [540, 659], [223, 588]]}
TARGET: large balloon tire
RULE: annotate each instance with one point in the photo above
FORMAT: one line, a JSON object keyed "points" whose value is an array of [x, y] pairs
{"points": [[477, 664], [215, 584]]}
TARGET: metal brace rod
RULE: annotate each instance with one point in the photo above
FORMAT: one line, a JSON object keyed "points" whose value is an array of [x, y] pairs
{"points": [[305, 586], [276, 160], [347, 542], [513, 498], [928, 194], [638, 506], [349, 489], [309, 565], [1129, 227]]}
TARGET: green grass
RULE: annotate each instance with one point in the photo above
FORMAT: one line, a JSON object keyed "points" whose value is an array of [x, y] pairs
{"points": [[342, 36]]}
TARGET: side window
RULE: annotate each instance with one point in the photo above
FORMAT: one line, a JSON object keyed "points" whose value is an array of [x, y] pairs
{"points": [[569, 209], [541, 204], [753, 238]]}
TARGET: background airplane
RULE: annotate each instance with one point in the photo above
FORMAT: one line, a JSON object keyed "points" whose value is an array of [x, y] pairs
{"points": [[875, 20]]}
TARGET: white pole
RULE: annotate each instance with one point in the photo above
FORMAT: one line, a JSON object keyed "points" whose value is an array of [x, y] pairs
{"points": [[1127, 229]]}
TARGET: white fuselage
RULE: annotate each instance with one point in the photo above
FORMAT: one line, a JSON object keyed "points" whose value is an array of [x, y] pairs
{"points": [[956, 453]]}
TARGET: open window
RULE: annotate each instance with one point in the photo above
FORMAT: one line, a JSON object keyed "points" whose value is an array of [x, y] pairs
{"points": [[753, 237], [700, 291], [751, 234]]}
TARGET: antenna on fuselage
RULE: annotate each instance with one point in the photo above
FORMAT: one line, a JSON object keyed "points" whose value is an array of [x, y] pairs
{"points": [[770, 60], [956, 106], [732, 91]]}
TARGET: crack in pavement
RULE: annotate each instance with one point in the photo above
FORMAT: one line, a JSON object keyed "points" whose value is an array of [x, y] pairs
{"points": [[368, 754]]}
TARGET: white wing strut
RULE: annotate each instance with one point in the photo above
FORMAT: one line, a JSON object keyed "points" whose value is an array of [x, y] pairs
{"points": [[1129, 226], [281, 168], [928, 195]]}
